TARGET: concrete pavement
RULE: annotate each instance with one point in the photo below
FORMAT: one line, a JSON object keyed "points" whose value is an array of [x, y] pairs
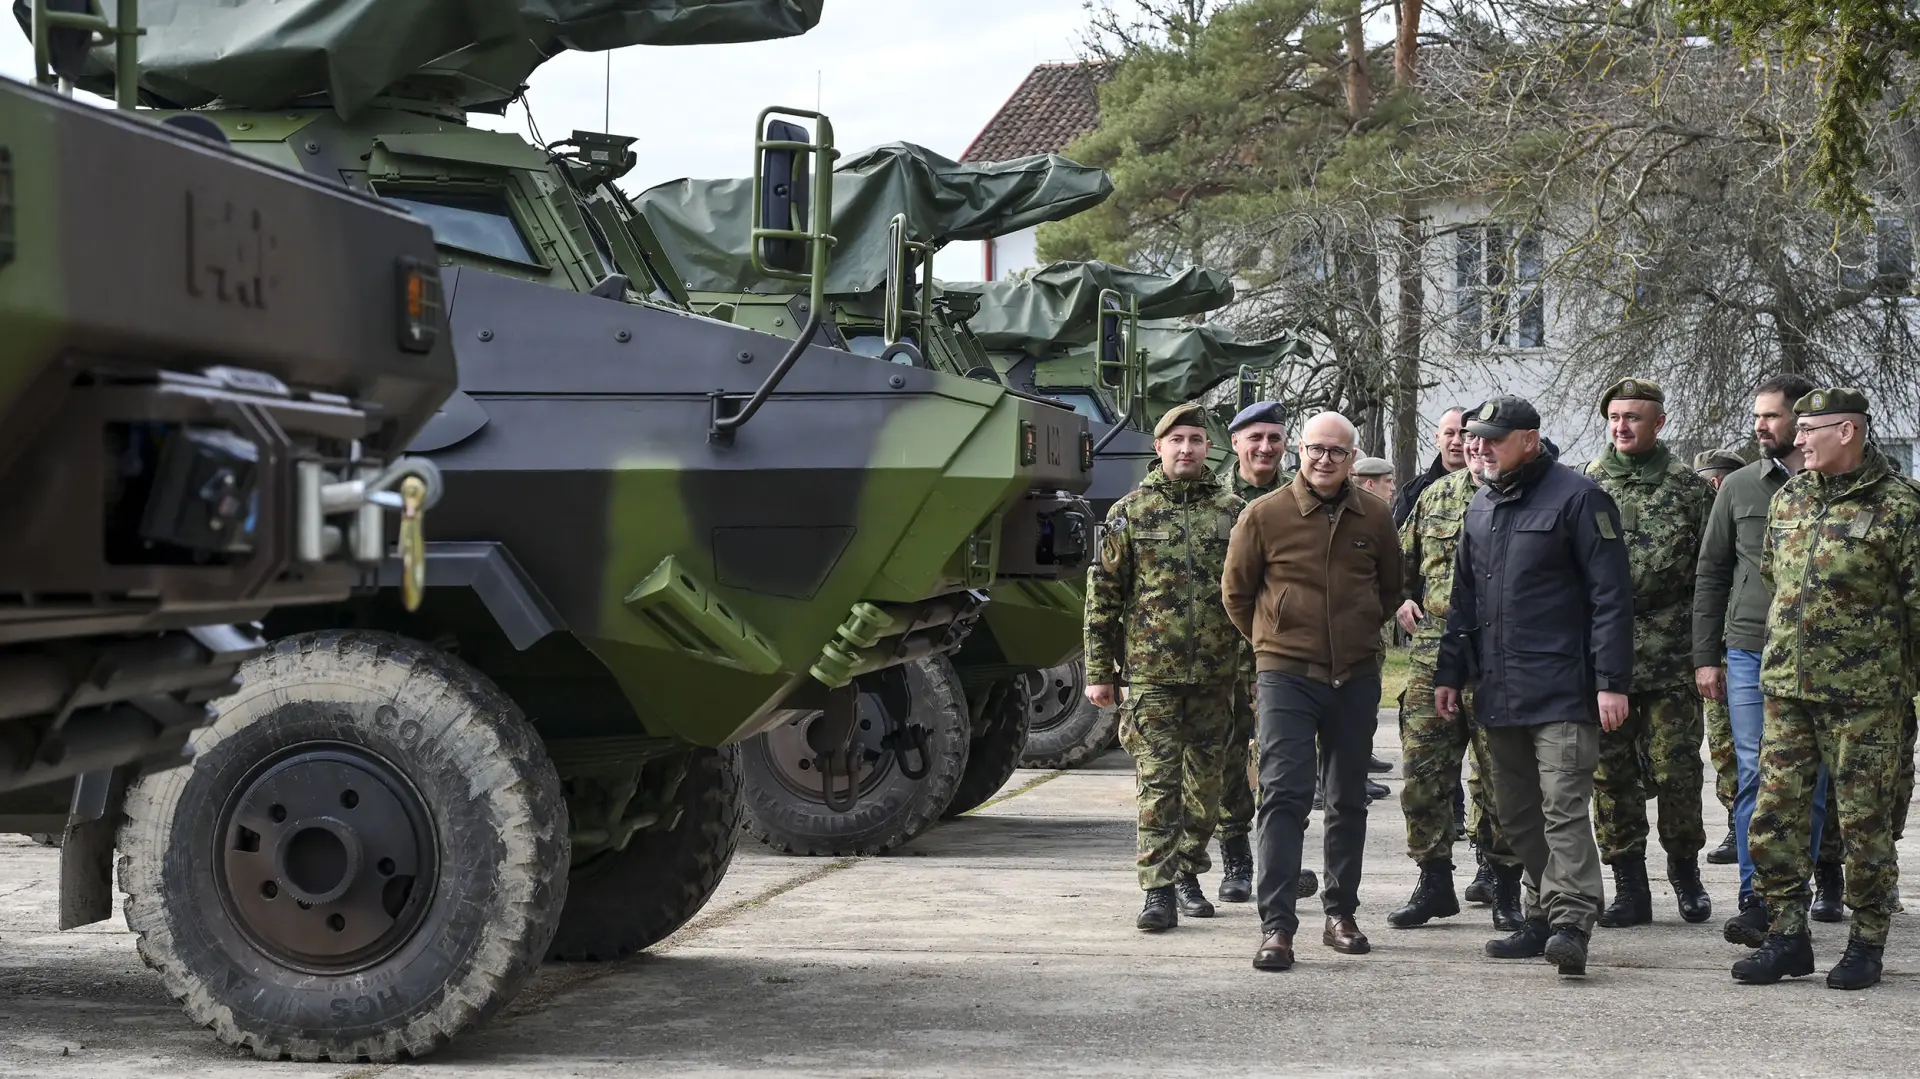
{"points": [[1002, 944]]}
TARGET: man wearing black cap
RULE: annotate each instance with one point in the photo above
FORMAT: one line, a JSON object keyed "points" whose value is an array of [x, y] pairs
{"points": [[1541, 620]]}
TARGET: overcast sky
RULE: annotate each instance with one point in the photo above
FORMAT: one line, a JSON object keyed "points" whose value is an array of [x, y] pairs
{"points": [[925, 71]]}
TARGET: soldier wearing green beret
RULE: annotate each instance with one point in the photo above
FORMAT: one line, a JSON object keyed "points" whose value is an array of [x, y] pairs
{"points": [[1714, 466], [1155, 621], [1656, 753], [1842, 555]]}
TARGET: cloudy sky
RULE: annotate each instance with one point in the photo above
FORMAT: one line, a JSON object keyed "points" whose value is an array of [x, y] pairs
{"points": [[926, 71]]}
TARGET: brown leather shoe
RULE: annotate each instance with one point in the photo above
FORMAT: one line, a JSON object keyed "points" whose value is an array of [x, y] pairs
{"points": [[1276, 952], [1343, 935]]}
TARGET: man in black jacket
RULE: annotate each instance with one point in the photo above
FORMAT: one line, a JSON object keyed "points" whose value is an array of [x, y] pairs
{"points": [[1542, 621], [1451, 441]]}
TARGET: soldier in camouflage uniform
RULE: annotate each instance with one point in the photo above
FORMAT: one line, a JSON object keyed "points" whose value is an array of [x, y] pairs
{"points": [[1656, 753], [1431, 747], [1714, 466], [1842, 555], [1154, 621]]}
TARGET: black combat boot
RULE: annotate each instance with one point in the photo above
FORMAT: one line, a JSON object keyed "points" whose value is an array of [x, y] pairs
{"points": [[1378, 766], [1377, 791], [1480, 889], [1567, 949], [1193, 901], [1527, 942], [1306, 885], [1728, 852], [1779, 957], [1857, 969], [1432, 897], [1632, 895], [1506, 898], [1829, 885], [1159, 913], [1749, 927], [1684, 875], [1236, 870]]}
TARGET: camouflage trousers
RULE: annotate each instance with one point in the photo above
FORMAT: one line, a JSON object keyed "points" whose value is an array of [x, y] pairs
{"points": [[1860, 745], [1720, 751], [1237, 781], [1177, 736], [1831, 849], [1654, 754], [1431, 749]]}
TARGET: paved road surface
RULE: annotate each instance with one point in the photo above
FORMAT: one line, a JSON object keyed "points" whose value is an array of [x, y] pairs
{"points": [[1003, 944]]}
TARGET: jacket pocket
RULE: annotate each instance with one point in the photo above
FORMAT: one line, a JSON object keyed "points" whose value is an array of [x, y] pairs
{"points": [[1267, 616]]}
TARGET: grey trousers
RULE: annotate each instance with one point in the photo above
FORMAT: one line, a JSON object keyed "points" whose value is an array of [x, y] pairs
{"points": [[1542, 788], [1296, 714]]}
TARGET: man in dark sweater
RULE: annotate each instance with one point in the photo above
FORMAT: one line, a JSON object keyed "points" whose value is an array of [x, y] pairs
{"points": [[1451, 440]]}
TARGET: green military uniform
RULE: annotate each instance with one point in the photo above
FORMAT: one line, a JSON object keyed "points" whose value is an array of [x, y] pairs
{"points": [[1842, 555], [1431, 747], [1237, 789], [1154, 621], [1656, 753], [1719, 725]]}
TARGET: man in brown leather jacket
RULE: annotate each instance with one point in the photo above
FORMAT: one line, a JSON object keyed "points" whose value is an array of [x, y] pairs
{"points": [[1312, 572]]}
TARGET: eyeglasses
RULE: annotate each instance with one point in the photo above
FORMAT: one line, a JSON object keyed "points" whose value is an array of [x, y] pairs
{"points": [[1820, 427], [1331, 453]]}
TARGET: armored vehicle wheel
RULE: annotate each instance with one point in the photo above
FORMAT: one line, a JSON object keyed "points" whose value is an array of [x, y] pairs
{"points": [[619, 902], [366, 857], [786, 810], [1064, 729], [993, 756]]}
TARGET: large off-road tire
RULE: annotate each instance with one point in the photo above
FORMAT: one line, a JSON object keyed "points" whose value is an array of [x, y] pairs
{"points": [[784, 806], [1064, 729], [993, 756], [620, 902], [366, 857]]}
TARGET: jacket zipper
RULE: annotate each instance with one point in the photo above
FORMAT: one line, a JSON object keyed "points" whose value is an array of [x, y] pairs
{"points": [[1800, 608], [1326, 585], [1186, 527]]}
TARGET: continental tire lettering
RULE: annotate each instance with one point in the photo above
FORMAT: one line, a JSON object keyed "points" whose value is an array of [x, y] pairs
{"points": [[384, 716], [410, 731], [383, 1002]]}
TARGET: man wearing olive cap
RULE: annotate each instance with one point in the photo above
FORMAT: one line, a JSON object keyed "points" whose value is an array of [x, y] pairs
{"points": [[1154, 621], [1656, 754], [1541, 621], [1714, 466], [1842, 555]]}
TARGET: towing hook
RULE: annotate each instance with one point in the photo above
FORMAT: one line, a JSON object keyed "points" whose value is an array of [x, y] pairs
{"points": [[378, 489], [914, 737], [825, 763]]}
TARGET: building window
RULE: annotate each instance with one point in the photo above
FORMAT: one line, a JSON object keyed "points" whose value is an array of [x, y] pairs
{"points": [[1499, 295]]}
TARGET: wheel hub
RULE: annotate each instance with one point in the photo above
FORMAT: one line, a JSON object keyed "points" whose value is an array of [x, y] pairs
{"points": [[790, 749], [1052, 695], [326, 858]]}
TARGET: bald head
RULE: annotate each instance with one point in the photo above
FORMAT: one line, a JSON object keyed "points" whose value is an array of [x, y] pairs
{"points": [[1326, 451]]}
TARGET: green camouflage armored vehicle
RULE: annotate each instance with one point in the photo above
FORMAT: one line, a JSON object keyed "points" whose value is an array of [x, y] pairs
{"points": [[661, 534], [209, 432]]}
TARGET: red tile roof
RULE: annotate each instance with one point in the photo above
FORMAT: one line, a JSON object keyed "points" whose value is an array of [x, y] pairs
{"points": [[1056, 104]]}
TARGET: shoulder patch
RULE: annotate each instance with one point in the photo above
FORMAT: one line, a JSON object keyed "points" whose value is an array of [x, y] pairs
{"points": [[1605, 524]]}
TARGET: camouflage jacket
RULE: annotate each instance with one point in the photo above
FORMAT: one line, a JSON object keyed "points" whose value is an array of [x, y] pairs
{"points": [[1154, 615], [1428, 538], [1233, 481], [1663, 510], [1842, 555]]}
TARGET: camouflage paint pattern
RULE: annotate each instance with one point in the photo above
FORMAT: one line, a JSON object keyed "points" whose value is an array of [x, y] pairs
{"points": [[1177, 736], [1431, 749], [1842, 556], [1654, 754], [1428, 538], [1663, 510], [1719, 725], [1859, 744], [1830, 842], [1153, 614]]}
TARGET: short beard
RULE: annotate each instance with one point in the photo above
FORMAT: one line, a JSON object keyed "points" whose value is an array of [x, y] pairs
{"points": [[1775, 451]]}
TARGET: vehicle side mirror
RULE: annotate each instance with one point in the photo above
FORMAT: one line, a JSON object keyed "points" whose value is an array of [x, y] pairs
{"points": [[785, 197]]}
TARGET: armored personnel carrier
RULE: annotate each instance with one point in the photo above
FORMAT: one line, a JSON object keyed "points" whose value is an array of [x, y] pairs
{"points": [[661, 534], [209, 432]]}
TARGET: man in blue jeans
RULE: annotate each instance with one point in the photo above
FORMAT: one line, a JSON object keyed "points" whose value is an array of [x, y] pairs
{"points": [[1730, 602]]}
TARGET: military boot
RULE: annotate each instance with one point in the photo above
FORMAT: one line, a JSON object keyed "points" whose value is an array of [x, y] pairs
{"points": [[1684, 875], [1632, 895], [1527, 942], [1236, 870], [1193, 901], [1779, 957], [1857, 969], [1506, 898], [1749, 927], [1567, 949], [1829, 884], [1159, 912], [1728, 852], [1480, 889], [1432, 897], [1377, 791], [1378, 766]]}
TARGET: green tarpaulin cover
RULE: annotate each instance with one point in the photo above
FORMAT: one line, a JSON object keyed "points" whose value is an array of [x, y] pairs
{"points": [[1056, 304], [703, 224], [1185, 360], [473, 53]]}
